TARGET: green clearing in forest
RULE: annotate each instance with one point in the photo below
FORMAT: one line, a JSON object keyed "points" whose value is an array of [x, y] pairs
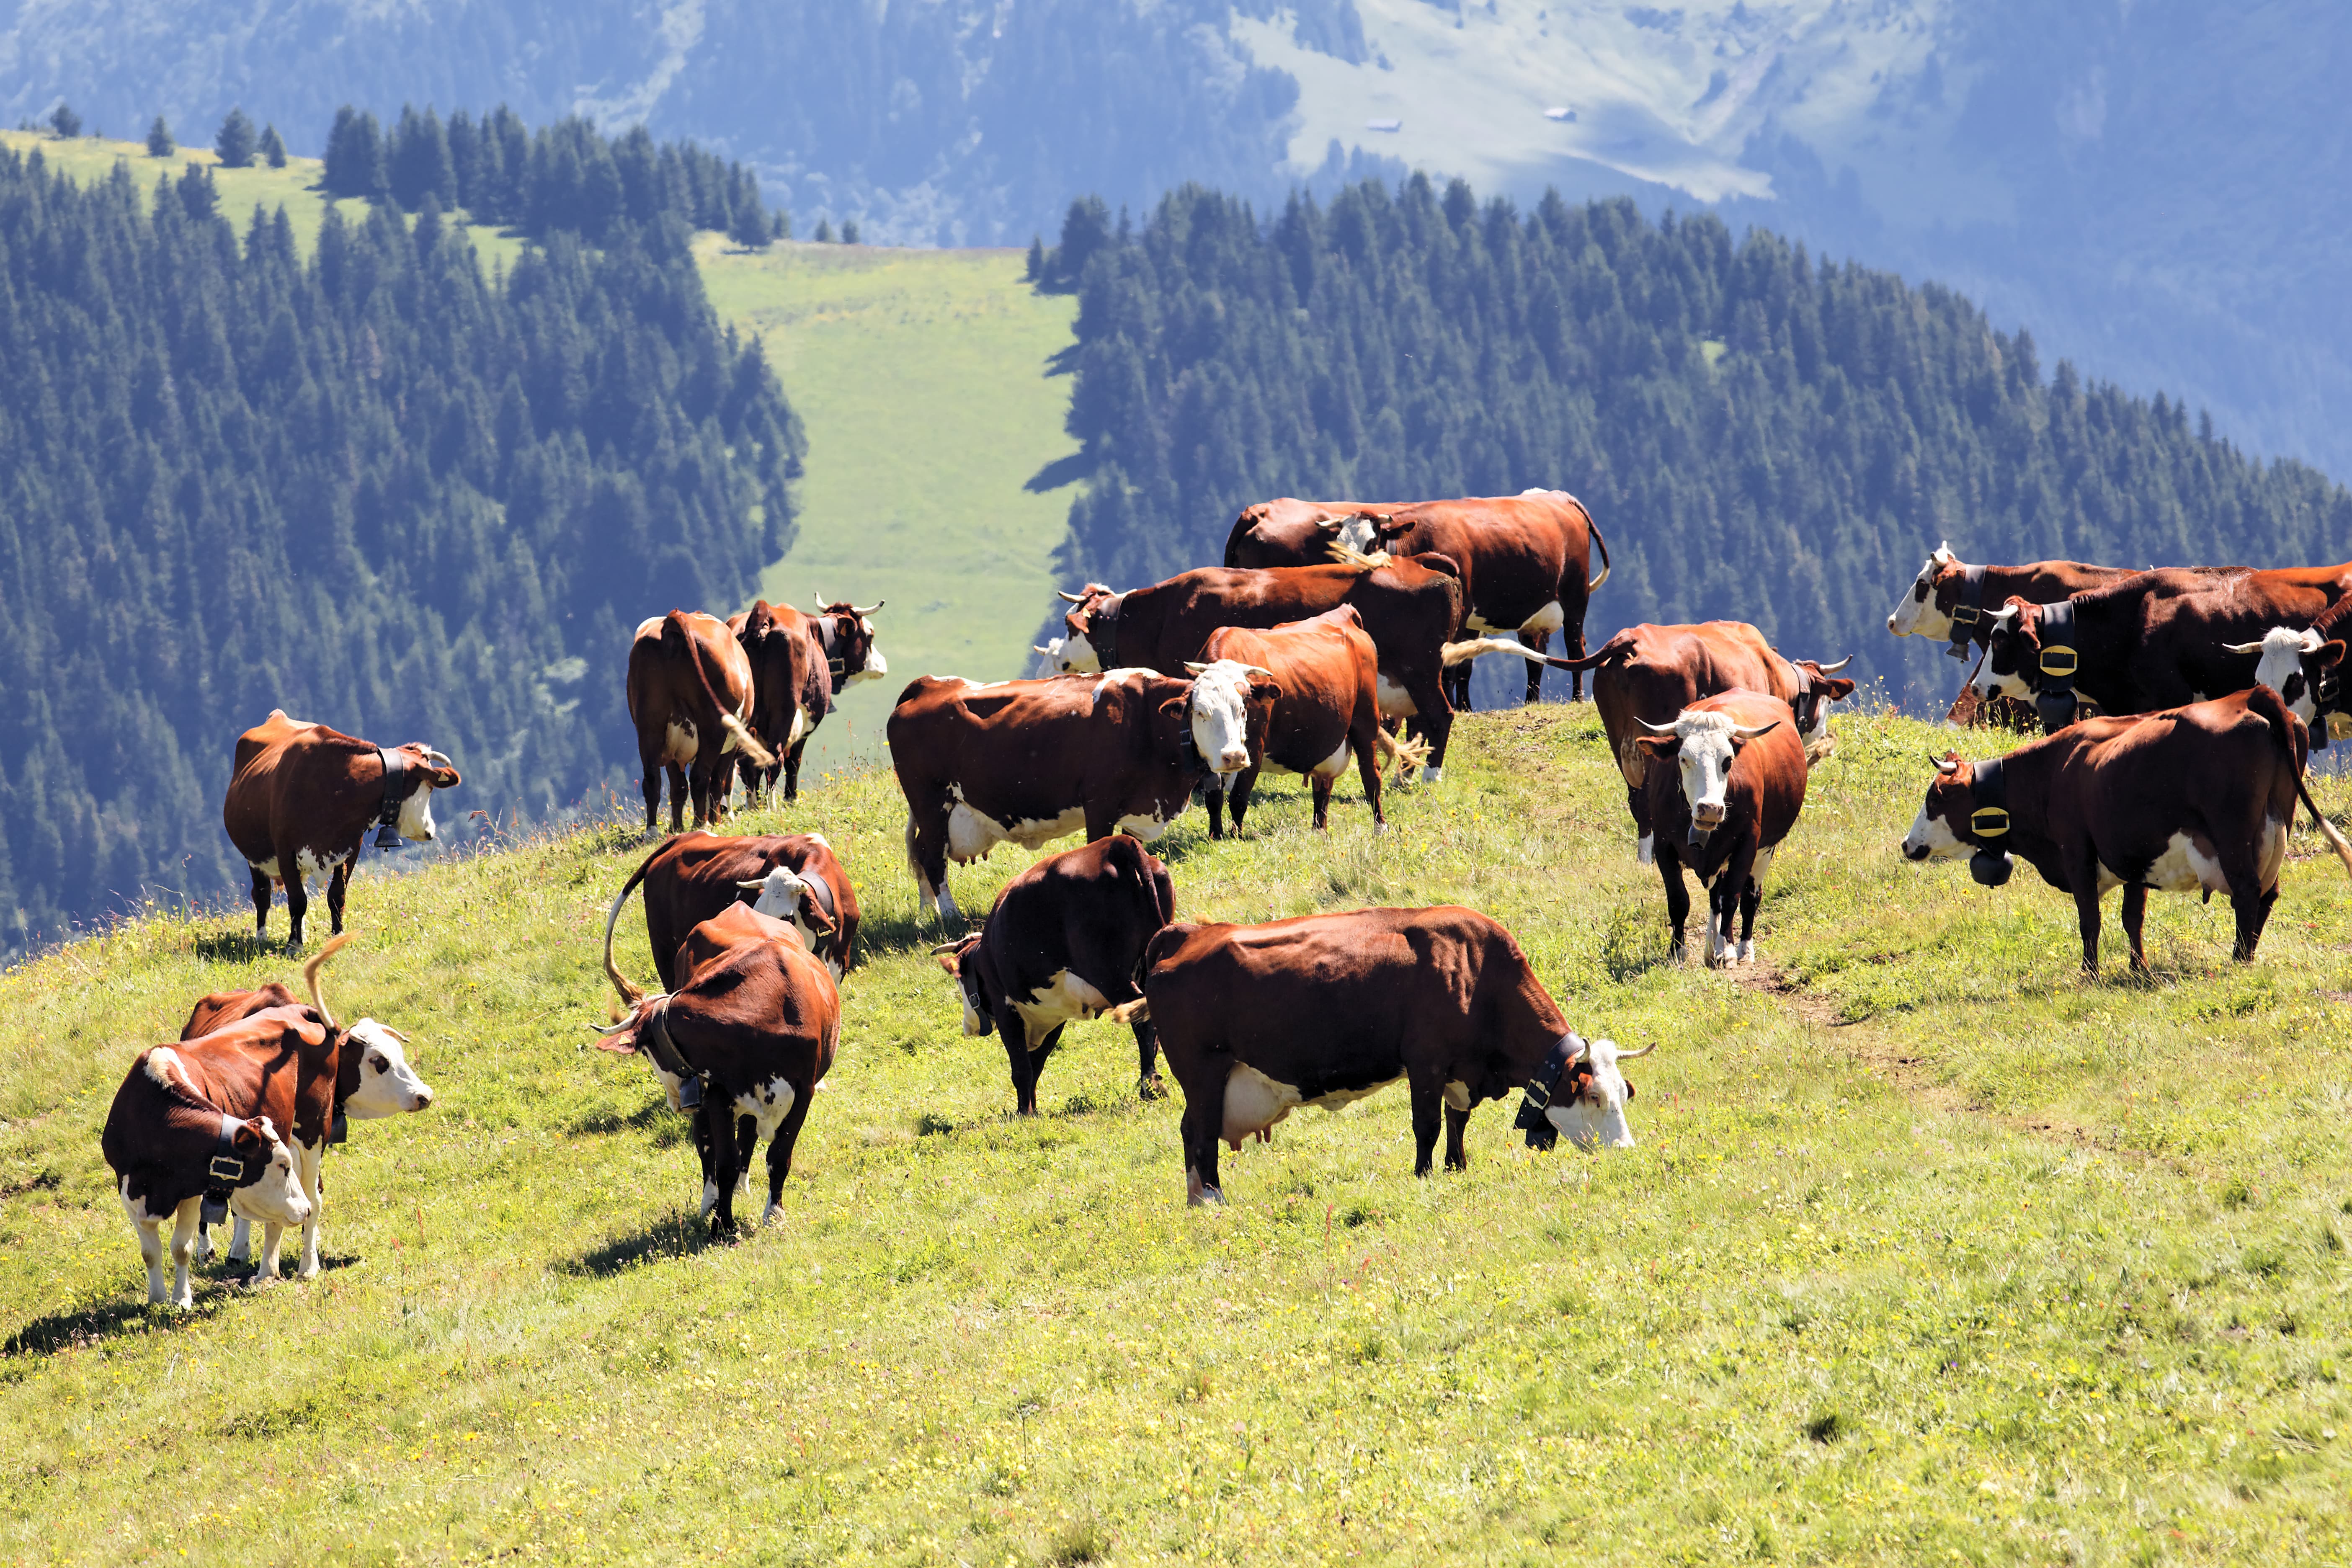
{"points": [[1932, 1250]]}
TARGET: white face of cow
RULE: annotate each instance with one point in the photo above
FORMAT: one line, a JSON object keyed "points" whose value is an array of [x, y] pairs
{"points": [[1704, 758], [388, 1085], [784, 895], [1932, 838], [1915, 612], [415, 821], [1989, 683], [1221, 717], [2282, 649], [276, 1197], [877, 667], [1595, 1119], [1359, 533], [1074, 655]]}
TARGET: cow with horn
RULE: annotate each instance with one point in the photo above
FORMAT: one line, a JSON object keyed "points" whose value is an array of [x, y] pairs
{"points": [[690, 697], [1730, 786], [800, 664]]}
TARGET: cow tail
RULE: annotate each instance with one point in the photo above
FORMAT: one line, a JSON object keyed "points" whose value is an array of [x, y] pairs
{"points": [[310, 976], [745, 742], [1409, 754], [1594, 586], [1617, 647], [2266, 702], [1457, 652], [630, 995]]}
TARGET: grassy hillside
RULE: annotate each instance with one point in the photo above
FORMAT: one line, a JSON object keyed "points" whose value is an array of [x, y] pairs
{"points": [[921, 378], [1931, 1251]]}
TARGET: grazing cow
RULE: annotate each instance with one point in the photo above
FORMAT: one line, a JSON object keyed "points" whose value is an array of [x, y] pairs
{"points": [[1034, 761], [302, 797], [1409, 609], [690, 698], [1330, 707], [2306, 669], [1064, 943], [1949, 599], [2194, 799], [797, 878], [361, 1071], [1257, 1020], [744, 1044], [1522, 559], [1734, 787], [1646, 675], [2152, 640], [799, 663], [168, 1145]]}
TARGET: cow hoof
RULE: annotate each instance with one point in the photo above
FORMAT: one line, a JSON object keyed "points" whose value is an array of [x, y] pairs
{"points": [[1748, 952], [1204, 1198], [1151, 1088], [709, 1200], [775, 1215]]}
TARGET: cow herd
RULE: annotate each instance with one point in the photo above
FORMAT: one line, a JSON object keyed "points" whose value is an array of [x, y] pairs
{"points": [[2180, 707]]}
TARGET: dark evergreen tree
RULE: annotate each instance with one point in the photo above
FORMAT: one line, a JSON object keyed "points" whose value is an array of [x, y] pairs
{"points": [[354, 155], [849, 231], [236, 142], [419, 163], [158, 139], [825, 231], [273, 147], [65, 121]]}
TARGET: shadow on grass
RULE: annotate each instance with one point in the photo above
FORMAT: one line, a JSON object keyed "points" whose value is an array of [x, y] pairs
{"points": [[80, 1328], [676, 1235], [648, 1115], [237, 947]]}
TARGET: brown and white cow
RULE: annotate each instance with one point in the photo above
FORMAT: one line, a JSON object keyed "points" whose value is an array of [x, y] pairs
{"points": [[1951, 600], [361, 1071], [690, 697], [1729, 787], [2306, 669], [1034, 761], [2194, 799], [1646, 675], [742, 1042], [169, 1144], [301, 798], [1323, 1010], [795, 878], [1329, 708], [799, 663], [1062, 944], [1409, 609]]}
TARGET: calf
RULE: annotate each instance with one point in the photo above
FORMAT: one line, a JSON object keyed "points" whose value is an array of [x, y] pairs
{"points": [[1330, 707], [695, 876], [690, 698], [742, 1042], [302, 797], [168, 1145], [1064, 943], [799, 663], [1734, 788], [363, 1071], [1257, 1020], [2194, 799], [1034, 761], [1646, 675]]}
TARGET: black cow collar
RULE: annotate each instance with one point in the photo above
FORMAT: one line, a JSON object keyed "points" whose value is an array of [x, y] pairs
{"points": [[823, 892], [1968, 611], [653, 1039], [387, 817], [1536, 1099], [1989, 822], [836, 666], [222, 1172], [2054, 694]]}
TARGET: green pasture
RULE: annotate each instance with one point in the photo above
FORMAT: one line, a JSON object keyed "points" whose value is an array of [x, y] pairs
{"points": [[1932, 1251], [923, 378]]}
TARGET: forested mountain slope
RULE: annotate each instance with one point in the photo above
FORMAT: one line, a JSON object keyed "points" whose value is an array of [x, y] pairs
{"points": [[1759, 434], [375, 486]]}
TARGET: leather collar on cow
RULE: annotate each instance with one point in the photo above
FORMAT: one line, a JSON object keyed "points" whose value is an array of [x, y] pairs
{"points": [[824, 892], [653, 1039], [1968, 611], [227, 1165], [387, 818], [2054, 679], [835, 665], [1542, 1086], [1102, 630], [1988, 826]]}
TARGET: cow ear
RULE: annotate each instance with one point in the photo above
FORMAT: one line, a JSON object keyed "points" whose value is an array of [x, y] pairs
{"points": [[1657, 745], [248, 1136], [951, 960], [2329, 653], [1264, 688], [1629, 1088], [1840, 688], [1388, 528]]}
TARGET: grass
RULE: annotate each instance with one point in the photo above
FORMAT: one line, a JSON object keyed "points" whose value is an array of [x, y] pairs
{"points": [[1933, 1250], [923, 377]]}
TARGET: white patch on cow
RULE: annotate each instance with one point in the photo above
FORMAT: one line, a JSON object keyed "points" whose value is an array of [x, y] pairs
{"points": [[1146, 828], [1394, 702], [1359, 533], [649, 626], [1125, 675], [2282, 656], [163, 1068], [388, 1086], [1432, 774], [267, 867], [1198, 1194], [709, 1198], [1457, 1094], [1066, 998], [1716, 945], [1330, 767], [308, 863], [766, 1104], [973, 833], [2183, 869], [1932, 838], [277, 1198], [877, 667], [784, 895], [149, 1228], [680, 743], [1220, 715], [1596, 1118], [1915, 612], [801, 722], [1076, 656], [1645, 849], [1745, 951], [946, 905], [1986, 684], [974, 1023], [1550, 618], [1704, 758]]}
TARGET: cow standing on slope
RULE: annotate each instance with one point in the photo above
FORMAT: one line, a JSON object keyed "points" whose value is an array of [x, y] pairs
{"points": [[689, 688], [2195, 799], [795, 877], [301, 798], [1064, 943], [1728, 784], [799, 663]]}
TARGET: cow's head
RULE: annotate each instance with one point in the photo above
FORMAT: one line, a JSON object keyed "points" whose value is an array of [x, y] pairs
{"points": [[1364, 532], [266, 1189], [1703, 743], [1218, 712], [2013, 652], [427, 771], [1588, 1105], [1818, 686], [1923, 611], [979, 1006], [847, 638], [1051, 651], [387, 1085], [1958, 818], [1092, 607], [2302, 666], [786, 894]]}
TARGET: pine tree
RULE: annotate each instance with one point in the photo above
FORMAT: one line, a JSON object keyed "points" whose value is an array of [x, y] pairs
{"points": [[825, 231], [158, 139], [273, 147], [65, 121], [849, 231], [354, 155], [234, 143]]}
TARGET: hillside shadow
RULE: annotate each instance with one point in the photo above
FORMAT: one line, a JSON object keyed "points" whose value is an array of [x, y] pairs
{"points": [[1062, 361], [676, 1235], [1064, 470]]}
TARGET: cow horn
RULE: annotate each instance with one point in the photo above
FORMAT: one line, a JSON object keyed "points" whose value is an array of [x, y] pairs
{"points": [[2242, 647], [1655, 729], [946, 947], [868, 609], [820, 600], [1194, 666], [750, 886], [1261, 670], [1749, 732], [1330, 524], [1040, 648], [2004, 612], [609, 1029], [1073, 598], [438, 759], [1833, 668], [2312, 641], [1635, 1055], [1947, 767]]}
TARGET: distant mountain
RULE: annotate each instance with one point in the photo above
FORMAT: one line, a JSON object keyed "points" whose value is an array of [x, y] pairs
{"points": [[2153, 186]]}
